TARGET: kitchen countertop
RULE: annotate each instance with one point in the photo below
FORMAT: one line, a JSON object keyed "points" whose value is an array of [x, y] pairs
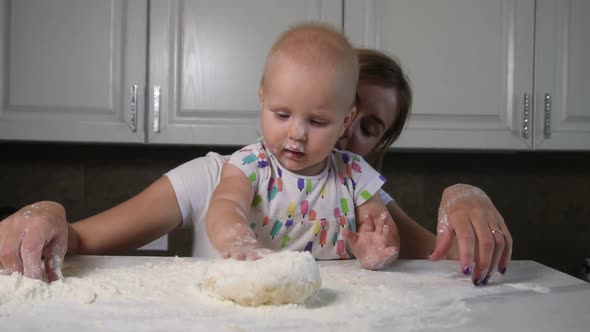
{"points": [[115, 293]]}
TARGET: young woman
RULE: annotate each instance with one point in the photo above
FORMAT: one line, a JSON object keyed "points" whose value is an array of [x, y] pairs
{"points": [[483, 242], [470, 228]]}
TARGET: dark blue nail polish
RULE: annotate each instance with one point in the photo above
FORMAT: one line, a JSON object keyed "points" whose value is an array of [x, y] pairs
{"points": [[486, 279], [477, 282], [467, 270], [503, 270]]}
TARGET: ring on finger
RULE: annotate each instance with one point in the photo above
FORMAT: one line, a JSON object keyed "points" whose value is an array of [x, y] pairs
{"points": [[497, 231]]}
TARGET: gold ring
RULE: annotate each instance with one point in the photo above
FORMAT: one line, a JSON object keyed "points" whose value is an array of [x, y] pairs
{"points": [[495, 231]]}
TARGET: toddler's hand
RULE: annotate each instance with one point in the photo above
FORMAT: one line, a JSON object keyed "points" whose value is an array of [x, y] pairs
{"points": [[246, 253], [35, 231], [246, 249], [376, 245]]}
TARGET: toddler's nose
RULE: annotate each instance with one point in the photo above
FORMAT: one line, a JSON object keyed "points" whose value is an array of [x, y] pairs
{"points": [[297, 132]]}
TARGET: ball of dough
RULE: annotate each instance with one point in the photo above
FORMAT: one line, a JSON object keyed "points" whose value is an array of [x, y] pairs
{"points": [[278, 278]]}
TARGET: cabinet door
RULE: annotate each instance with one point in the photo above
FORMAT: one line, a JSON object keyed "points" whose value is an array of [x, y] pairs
{"points": [[562, 75], [470, 63], [206, 60], [67, 67]]}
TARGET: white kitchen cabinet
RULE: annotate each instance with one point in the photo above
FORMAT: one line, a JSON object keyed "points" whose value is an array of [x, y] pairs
{"points": [[480, 69], [67, 69], [206, 61], [562, 75], [469, 61], [506, 75]]}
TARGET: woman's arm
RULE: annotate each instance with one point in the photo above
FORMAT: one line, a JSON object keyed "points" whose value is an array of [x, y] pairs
{"points": [[36, 230], [41, 229], [470, 230], [416, 241], [129, 225], [467, 215]]}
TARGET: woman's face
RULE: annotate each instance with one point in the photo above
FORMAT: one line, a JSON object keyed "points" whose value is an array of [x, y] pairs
{"points": [[377, 110]]}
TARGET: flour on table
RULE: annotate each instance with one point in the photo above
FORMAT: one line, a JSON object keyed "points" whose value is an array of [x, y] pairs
{"points": [[17, 288], [279, 278], [166, 295], [532, 287]]}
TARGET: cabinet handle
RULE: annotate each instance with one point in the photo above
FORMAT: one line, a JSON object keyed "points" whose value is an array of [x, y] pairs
{"points": [[525, 116], [133, 109], [547, 118], [156, 114]]}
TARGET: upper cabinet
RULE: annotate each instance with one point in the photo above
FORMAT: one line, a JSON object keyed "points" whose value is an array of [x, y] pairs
{"points": [[76, 70], [470, 64], [206, 61], [562, 75], [502, 75], [72, 70]]}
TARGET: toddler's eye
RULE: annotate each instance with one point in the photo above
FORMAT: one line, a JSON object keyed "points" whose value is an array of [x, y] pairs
{"points": [[319, 123], [281, 115]]}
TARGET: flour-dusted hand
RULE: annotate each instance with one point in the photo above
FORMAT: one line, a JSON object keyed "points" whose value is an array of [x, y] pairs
{"points": [[376, 245], [246, 248], [34, 232], [468, 214]]}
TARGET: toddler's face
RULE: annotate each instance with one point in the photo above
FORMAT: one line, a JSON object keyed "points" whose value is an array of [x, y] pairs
{"points": [[303, 113]]}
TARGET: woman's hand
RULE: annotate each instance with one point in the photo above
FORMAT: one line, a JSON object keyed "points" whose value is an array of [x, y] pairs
{"points": [[376, 245], [35, 231], [467, 214]]}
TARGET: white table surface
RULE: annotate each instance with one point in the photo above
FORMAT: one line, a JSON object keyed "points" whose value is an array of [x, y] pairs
{"points": [[413, 295]]}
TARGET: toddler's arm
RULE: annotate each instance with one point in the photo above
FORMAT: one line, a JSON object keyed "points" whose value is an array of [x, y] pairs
{"points": [[376, 243], [227, 224]]}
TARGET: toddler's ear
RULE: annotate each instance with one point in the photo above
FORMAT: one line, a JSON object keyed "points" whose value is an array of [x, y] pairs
{"points": [[260, 97], [348, 119]]}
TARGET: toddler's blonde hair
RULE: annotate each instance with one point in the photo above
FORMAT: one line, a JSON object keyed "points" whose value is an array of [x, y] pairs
{"points": [[319, 44]]}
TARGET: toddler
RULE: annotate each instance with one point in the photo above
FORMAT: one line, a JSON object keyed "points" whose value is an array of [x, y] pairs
{"points": [[292, 190]]}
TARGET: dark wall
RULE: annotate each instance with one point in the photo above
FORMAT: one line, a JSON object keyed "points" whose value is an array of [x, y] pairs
{"points": [[542, 196]]}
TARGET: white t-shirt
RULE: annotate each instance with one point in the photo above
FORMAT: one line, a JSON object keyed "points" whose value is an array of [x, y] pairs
{"points": [[385, 197], [193, 183]]}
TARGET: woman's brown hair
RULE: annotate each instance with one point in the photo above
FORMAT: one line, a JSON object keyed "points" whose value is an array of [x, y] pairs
{"points": [[380, 69]]}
